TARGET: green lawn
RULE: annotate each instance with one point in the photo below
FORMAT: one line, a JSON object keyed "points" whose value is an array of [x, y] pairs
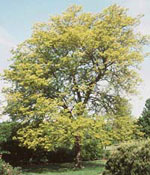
{"points": [[90, 168]]}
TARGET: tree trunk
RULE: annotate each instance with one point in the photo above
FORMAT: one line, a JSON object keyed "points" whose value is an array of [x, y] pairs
{"points": [[78, 153]]}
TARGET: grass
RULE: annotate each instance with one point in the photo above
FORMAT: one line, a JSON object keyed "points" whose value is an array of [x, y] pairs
{"points": [[90, 168]]}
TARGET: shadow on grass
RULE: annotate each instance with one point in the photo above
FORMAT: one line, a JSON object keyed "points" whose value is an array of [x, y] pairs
{"points": [[62, 167]]}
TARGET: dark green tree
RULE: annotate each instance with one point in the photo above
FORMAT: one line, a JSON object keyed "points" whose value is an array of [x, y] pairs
{"points": [[5, 133], [144, 120]]}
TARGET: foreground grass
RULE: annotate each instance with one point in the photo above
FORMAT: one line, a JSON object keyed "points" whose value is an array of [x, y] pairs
{"points": [[90, 168]]}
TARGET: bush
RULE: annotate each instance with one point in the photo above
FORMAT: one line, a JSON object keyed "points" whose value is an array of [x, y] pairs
{"points": [[91, 151], [7, 169], [130, 159]]}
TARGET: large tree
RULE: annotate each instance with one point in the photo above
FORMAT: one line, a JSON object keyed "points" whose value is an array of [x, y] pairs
{"points": [[73, 68]]}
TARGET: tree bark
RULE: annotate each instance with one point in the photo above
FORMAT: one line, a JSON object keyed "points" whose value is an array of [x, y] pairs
{"points": [[78, 153]]}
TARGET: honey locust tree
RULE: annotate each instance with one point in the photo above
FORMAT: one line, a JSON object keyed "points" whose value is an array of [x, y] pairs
{"points": [[74, 68]]}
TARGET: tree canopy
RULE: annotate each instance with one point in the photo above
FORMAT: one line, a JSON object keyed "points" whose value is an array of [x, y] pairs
{"points": [[75, 58]]}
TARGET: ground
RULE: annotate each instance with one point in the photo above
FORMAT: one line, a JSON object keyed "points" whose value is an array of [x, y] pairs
{"points": [[90, 168]]}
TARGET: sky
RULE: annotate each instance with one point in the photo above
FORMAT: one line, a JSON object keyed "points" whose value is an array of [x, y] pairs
{"points": [[17, 18]]}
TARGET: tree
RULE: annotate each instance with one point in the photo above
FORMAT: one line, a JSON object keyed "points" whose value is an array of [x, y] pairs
{"points": [[122, 129], [74, 68], [122, 126], [122, 107], [5, 133], [144, 120]]}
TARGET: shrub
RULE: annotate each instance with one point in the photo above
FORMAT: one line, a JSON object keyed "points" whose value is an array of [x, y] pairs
{"points": [[7, 169], [91, 151], [130, 159]]}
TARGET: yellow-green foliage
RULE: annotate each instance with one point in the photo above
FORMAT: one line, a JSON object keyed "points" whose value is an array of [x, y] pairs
{"points": [[62, 132], [72, 66], [123, 128], [75, 57]]}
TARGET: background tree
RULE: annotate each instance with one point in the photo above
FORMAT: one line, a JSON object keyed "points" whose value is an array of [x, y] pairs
{"points": [[122, 107], [144, 120], [5, 133], [74, 67], [9, 148], [122, 126], [124, 129]]}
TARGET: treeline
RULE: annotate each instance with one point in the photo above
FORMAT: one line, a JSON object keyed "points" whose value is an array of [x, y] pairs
{"points": [[17, 155]]}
